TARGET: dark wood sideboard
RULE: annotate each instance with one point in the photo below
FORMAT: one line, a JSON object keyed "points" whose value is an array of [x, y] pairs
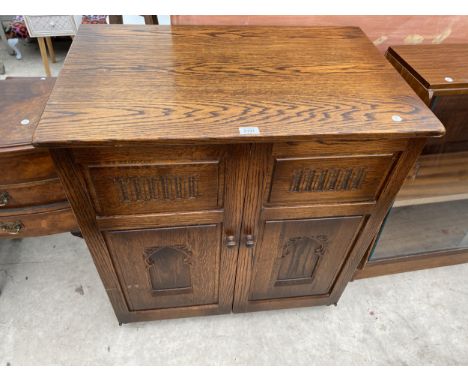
{"points": [[219, 169], [32, 199], [430, 213]]}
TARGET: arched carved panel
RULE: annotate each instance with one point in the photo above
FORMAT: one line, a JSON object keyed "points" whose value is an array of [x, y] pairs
{"points": [[169, 269], [300, 258]]}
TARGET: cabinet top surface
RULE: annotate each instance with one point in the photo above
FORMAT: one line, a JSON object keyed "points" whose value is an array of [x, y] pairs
{"points": [[435, 66], [22, 102], [127, 84]]}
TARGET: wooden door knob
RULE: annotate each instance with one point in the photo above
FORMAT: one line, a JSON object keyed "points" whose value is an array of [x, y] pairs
{"points": [[231, 241], [249, 241]]}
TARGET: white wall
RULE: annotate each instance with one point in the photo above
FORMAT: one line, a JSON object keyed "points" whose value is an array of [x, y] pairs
{"points": [[135, 19]]}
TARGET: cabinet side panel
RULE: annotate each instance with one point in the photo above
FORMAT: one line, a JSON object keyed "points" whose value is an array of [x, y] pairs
{"points": [[82, 207], [361, 251]]}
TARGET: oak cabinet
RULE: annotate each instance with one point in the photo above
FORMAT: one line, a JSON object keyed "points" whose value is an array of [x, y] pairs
{"points": [[204, 229], [226, 182]]}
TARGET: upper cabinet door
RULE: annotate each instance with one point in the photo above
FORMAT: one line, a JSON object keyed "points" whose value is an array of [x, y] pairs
{"points": [[170, 218], [307, 218]]}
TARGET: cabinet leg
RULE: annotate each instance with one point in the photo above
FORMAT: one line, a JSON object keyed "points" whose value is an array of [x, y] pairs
{"points": [[45, 60], [50, 48]]}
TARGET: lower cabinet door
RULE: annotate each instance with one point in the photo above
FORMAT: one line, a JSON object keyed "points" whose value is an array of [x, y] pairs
{"points": [[297, 258], [168, 267]]}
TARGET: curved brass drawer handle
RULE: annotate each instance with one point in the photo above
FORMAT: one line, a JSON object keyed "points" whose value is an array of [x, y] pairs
{"points": [[4, 198], [12, 228]]}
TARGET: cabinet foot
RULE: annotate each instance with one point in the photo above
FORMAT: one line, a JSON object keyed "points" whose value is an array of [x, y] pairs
{"points": [[77, 234]]}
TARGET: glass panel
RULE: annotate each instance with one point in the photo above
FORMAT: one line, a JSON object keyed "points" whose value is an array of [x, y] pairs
{"points": [[430, 213], [423, 228]]}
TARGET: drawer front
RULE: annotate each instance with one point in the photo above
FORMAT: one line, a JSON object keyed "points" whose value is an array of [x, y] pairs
{"points": [[26, 224], [25, 167], [154, 188], [50, 25], [329, 179], [32, 194], [155, 181]]}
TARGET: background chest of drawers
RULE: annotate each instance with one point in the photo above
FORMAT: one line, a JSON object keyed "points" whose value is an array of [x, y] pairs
{"points": [[52, 25], [236, 169], [44, 27], [32, 200], [430, 212]]}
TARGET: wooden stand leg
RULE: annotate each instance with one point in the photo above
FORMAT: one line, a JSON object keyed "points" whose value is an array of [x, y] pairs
{"points": [[45, 60], [50, 48], [115, 19], [151, 19]]}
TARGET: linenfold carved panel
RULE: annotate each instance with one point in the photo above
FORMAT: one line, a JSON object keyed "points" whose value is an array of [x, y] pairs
{"points": [[333, 179], [141, 188], [345, 178], [131, 189]]}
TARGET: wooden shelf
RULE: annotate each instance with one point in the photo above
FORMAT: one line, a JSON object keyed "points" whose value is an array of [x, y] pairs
{"points": [[387, 266], [436, 178]]}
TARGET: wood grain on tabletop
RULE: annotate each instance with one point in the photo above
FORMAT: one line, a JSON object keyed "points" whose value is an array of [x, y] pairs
{"points": [[189, 83]]}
